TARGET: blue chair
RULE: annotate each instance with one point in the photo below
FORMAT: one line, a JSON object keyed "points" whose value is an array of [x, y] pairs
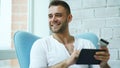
{"points": [[89, 36], [24, 40]]}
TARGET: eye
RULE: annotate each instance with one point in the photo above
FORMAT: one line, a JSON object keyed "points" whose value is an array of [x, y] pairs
{"points": [[50, 16], [58, 15]]}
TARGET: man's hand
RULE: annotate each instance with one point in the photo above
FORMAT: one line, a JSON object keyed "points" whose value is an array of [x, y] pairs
{"points": [[73, 57], [103, 56]]}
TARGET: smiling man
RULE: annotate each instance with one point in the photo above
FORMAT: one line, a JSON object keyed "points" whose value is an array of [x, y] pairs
{"points": [[61, 50]]}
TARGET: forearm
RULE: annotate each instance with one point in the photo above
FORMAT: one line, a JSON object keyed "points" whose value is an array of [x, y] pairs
{"points": [[62, 64]]}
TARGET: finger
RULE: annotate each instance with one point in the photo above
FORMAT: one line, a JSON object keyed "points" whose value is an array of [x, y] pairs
{"points": [[102, 58], [102, 53], [76, 52], [104, 48]]}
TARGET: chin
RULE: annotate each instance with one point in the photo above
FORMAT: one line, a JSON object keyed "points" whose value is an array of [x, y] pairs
{"points": [[55, 31]]}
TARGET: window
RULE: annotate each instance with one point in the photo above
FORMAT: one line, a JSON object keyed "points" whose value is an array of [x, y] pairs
{"points": [[5, 24]]}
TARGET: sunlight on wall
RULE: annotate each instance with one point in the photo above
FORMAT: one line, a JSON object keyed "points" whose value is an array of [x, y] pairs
{"points": [[40, 27]]}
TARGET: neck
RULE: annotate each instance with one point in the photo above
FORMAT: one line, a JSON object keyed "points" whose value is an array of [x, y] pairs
{"points": [[63, 38]]}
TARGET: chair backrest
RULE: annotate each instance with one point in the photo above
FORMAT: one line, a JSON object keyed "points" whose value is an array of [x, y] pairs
{"points": [[24, 40], [89, 36]]}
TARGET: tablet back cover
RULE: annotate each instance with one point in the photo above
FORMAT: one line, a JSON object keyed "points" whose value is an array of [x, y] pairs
{"points": [[87, 57]]}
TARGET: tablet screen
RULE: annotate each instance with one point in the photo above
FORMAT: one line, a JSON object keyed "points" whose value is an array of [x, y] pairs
{"points": [[87, 56]]}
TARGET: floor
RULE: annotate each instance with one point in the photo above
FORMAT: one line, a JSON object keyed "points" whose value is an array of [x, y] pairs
{"points": [[9, 64]]}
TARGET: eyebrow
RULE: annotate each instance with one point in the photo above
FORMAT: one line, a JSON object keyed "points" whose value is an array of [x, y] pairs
{"points": [[55, 14]]}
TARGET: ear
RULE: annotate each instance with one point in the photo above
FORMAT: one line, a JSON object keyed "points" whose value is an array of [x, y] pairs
{"points": [[70, 18]]}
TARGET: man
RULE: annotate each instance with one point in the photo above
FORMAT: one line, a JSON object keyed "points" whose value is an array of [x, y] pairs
{"points": [[60, 50]]}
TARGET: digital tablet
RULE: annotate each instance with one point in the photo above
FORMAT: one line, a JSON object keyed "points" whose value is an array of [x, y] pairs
{"points": [[87, 56]]}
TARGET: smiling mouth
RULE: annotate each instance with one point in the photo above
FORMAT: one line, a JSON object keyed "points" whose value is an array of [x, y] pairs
{"points": [[55, 24]]}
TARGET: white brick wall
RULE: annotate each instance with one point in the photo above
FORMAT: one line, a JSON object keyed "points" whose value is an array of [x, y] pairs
{"points": [[113, 22], [119, 54], [116, 33], [107, 12], [114, 43], [114, 54], [114, 63], [106, 33], [101, 17], [113, 2], [83, 13], [93, 23], [93, 3], [73, 6]]}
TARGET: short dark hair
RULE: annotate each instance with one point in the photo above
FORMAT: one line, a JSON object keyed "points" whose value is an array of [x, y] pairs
{"points": [[61, 3]]}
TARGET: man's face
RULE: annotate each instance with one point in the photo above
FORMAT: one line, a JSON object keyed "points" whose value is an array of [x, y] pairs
{"points": [[58, 19]]}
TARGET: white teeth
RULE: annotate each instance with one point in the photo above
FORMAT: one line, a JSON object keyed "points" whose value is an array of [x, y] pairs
{"points": [[55, 24]]}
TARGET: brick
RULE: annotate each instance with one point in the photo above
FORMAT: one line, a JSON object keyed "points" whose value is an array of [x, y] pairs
{"points": [[75, 23], [23, 26], [20, 9], [106, 33], [77, 4], [75, 31], [114, 63], [93, 3], [95, 31], [95, 23], [82, 30], [16, 26], [116, 32], [113, 54], [85, 13], [19, 18], [19, 2], [113, 2], [107, 12], [113, 22], [114, 43], [119, 54]]}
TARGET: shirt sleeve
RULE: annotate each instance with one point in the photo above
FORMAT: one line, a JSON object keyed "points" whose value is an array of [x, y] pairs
{"points": [[38, 55]]}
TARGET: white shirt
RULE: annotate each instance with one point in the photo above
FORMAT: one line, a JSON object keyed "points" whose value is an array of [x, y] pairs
{"points": [[48, 51]]}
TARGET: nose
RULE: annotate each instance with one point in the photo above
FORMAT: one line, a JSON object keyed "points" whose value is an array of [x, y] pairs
{"points": [[53, 19]]}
